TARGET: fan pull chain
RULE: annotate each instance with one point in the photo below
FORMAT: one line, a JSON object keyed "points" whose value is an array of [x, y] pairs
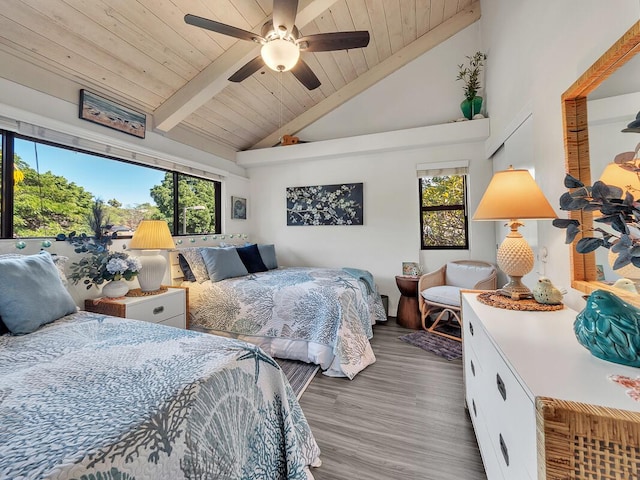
{"points": [[280, 121]]}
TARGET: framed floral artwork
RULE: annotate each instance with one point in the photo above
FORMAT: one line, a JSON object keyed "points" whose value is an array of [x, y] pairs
{"points": [[340, 204], [238, 208]]}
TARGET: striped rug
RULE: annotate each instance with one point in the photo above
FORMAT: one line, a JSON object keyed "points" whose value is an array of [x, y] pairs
{"points": [[298, 373]]}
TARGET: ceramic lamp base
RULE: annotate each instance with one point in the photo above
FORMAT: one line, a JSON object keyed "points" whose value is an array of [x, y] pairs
{"points": [[153, 269], [515, 258]]}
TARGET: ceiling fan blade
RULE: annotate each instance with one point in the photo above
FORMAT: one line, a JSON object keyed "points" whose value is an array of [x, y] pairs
{"points": [[325, 42], [305, 75], [284, 14], [222, 28], [247, 70]]}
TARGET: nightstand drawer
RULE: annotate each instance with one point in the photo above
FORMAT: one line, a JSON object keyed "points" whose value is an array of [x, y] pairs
{"points": [[178, 321], [158, 309]]}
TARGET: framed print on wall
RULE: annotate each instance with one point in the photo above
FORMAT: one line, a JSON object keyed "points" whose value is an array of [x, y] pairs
{"points": [[238, 208], [340, 204], [108, 113]]}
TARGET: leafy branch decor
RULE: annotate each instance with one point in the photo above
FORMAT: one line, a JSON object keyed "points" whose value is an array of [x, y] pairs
{"points": [[472, 104], [619, 211]]}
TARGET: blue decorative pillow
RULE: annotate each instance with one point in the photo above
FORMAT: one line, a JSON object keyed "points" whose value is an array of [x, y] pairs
{"points": [[250, 256], [223, 263], [186, 269], [268, 254], [32, 293]]}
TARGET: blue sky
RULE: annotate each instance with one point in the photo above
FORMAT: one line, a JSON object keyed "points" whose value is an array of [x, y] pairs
{"points": [[104, 178]]}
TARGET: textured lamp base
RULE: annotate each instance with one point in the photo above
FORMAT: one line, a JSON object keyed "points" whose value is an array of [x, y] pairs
{"points": [[515, 258], [152, 272]]}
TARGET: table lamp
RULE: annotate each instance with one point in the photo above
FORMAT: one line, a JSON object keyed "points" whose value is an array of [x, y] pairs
{"points": [[513, 195], [151, 236]]}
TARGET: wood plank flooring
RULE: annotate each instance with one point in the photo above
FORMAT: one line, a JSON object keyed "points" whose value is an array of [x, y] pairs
{"points": [[402, 418]]}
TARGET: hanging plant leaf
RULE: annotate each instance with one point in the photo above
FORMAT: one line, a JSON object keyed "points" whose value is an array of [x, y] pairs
{"points": [[568, 202], [624, 157], [622, 260], [564, 222], [588, 244], [572, 232], [600, 190], [624, 243], [619, 224], [572, 182]]}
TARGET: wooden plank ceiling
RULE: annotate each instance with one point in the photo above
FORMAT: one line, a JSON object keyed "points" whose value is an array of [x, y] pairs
{"points": [[142, 53]]}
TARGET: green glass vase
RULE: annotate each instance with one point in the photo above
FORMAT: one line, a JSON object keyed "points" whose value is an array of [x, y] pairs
{"points": [[471, 107]]}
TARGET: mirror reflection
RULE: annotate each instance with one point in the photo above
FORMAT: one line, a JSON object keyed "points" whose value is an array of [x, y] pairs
{"points": [[612, 107]]}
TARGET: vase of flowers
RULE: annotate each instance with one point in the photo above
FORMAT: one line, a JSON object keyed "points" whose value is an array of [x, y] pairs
{"points": [[472, 103], [102, 266]]}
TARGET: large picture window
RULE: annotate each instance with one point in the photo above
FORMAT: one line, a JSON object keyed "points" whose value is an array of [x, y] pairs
{"points": [[443, 212], [53, 189]]}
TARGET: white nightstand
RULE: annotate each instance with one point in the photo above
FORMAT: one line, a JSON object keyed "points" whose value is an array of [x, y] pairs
{"points": [[168, 308]]}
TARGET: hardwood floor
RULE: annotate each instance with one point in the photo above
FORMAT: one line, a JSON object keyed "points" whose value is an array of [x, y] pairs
{"points": [[402, 418]]}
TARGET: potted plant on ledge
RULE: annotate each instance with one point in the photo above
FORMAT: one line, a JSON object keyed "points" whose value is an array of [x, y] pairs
{"points": [[472, 103]]}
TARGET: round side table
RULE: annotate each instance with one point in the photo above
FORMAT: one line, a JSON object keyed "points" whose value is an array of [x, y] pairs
{"points": [[408, 309]]}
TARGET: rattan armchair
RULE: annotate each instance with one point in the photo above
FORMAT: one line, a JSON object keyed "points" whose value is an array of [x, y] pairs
{"points": [[439, 291]]}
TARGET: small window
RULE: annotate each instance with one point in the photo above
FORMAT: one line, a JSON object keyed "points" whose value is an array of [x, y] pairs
{"points": [[443, 212]]}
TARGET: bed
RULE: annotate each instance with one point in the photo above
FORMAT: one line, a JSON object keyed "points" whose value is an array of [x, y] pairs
{"points": [[317, 315], [90, 396], [87, 396]]}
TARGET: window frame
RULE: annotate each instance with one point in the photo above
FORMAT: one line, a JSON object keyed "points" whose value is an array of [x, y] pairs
{"points": [[435, 208], [7, 191]]}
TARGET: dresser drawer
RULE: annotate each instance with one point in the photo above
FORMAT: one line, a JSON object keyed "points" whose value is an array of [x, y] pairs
{"points": [[178, 321], [511, 419], [158, 309]]}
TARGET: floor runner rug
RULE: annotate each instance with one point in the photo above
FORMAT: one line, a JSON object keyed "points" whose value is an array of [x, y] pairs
{"points": [[442, 346], [298, 373]]}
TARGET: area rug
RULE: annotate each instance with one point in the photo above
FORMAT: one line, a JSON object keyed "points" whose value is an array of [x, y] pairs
{"points": [[442, 346], [298, 373]]}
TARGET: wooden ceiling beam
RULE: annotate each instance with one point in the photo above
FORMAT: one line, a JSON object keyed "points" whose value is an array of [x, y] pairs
{"points": [[213, 79], [426, 42]]}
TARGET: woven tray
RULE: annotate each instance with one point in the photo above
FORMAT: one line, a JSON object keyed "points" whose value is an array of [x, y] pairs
{"points": [[528, 304], [137, 292]]}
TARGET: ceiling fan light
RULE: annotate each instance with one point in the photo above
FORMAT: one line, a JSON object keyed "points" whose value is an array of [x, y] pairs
{"points": [[280, 55]]}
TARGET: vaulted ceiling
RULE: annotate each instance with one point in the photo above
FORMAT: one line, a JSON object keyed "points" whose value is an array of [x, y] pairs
{"points": [[141, 53]]}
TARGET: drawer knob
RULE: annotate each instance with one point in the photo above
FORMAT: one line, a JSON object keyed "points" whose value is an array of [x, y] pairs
{"points": [[501, 388], [471, 328], [504, 450], [473, 368], [158, 310]]}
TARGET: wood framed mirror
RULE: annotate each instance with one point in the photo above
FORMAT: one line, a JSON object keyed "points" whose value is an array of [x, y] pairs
{"points": [[576, 143]]}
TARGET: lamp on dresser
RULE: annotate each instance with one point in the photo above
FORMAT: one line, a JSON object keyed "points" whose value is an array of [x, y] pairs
{"points": [[151, 237], [514, 195]]}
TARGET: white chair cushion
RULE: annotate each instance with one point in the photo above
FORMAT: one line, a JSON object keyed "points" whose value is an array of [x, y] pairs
{"points": [[466, 276], [443, 294]]}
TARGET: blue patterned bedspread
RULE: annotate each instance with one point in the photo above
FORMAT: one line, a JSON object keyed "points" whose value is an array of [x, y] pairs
{"points": [[327, 306], [91, 397]]}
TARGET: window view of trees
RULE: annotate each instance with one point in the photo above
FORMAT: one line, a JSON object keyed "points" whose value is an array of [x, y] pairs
{"points": [[47, 202], [443, 212]]}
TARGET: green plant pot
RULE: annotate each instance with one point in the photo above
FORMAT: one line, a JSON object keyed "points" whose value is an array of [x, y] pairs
{"points": [[471, 107]]}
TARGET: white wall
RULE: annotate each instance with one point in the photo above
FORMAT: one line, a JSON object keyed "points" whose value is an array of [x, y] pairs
{"points": [[423, 92], [536, 51], [391, 230]]}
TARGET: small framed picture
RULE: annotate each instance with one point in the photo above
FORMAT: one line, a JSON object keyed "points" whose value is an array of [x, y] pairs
{"points": [[238, 208], [108, 113], [411, 268]]}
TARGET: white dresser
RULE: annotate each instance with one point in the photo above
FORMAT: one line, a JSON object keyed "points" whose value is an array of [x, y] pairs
{"points": [[512, 357]]}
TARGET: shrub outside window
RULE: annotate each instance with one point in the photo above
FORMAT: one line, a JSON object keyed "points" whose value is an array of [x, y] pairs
{"points": [[443, 212]]}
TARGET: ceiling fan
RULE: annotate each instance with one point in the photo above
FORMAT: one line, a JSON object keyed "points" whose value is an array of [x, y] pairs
{"points": [[281, 43]]}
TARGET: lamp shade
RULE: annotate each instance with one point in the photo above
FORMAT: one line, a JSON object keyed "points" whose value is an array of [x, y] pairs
{"points": [[152, 235], [280, 55], [513, 194], [627, 180]]}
